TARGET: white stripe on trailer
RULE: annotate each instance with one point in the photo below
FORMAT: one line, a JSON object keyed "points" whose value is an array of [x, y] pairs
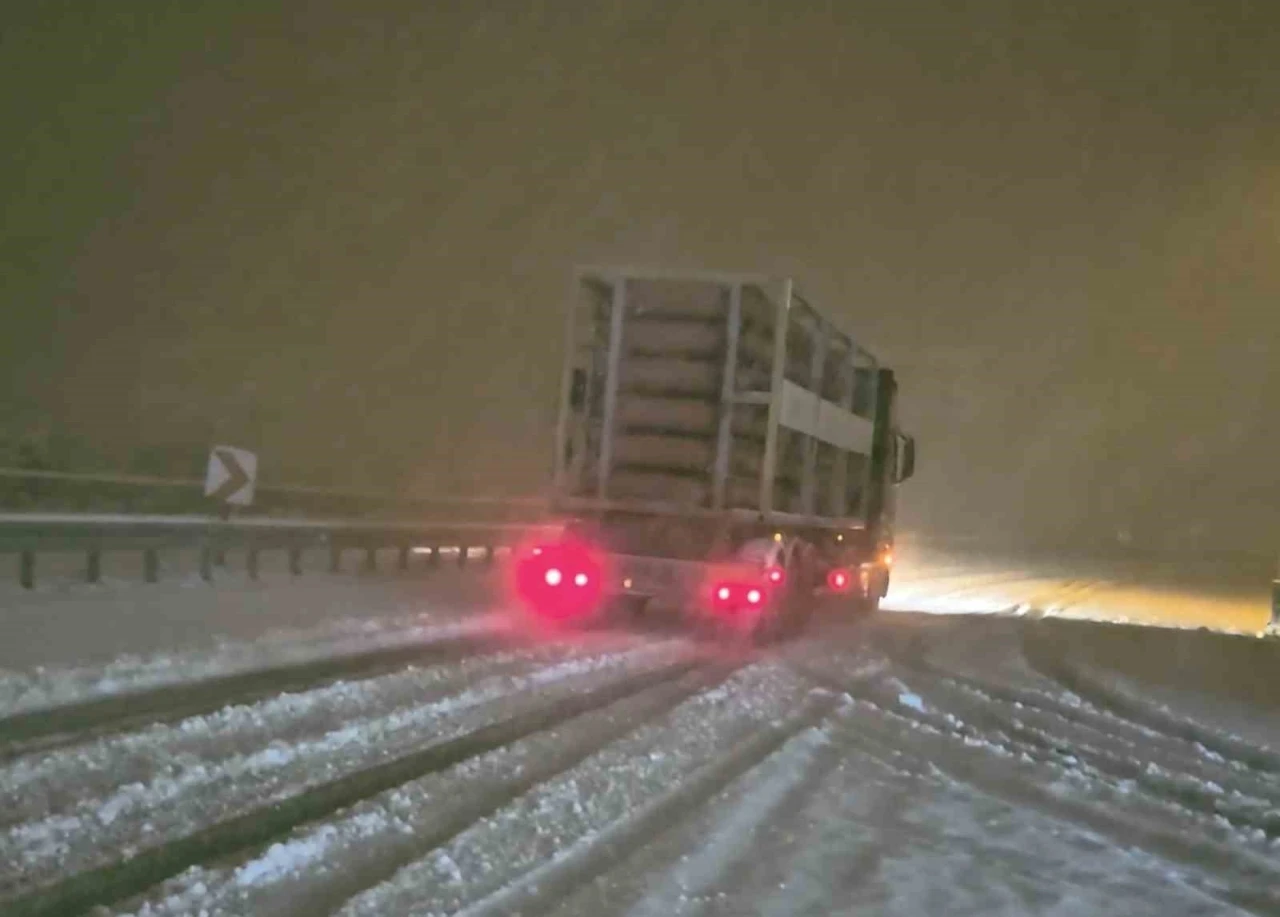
{"points": [[805, 412]]}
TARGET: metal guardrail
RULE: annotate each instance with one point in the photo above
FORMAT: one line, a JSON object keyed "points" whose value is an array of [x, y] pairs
{"points": [[29, 535], [28, 490]]}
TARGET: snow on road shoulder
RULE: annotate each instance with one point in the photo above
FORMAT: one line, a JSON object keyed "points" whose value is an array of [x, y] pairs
{"points": [[143, 813], [51, 686], [1233, 722]]}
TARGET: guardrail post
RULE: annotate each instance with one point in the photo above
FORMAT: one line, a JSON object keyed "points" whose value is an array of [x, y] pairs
{"points": [[462, 555], [433, 556], [93, 566], [488, 555], [370, 559], [402, 559], [206, 563], [150, 565], [251, 562], [335, 558], [27, 570], [295, 560]]}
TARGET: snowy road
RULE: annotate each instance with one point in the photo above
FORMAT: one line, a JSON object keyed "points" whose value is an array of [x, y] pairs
{"points": [[902, 764]]}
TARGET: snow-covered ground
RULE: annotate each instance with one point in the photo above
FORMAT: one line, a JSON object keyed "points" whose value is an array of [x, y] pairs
{"points": [[1230, 595], [832, 776], [70, 641], [67, 621], [75, 809], [903, 764]]}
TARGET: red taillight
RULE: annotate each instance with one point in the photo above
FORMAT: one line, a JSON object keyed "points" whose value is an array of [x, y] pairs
{"points": [[728, 596], [560, 580], [838, 580], [776, 576]]}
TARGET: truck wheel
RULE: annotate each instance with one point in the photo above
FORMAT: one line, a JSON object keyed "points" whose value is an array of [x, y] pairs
{"points": [[877, 589], [770, 629], [791, 617], [801, 600], [629, 608], [798, 613], [866, 605], [722, 633]]}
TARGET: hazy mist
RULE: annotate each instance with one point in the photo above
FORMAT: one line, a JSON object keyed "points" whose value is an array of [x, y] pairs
{"points": [[341, 235]]}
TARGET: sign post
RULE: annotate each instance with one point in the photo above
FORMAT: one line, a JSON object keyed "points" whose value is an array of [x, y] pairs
{"points": [[229, 481], [1275, 601]]}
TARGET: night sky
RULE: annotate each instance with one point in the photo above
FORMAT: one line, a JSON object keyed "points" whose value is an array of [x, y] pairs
{"points": [[341, 234]]}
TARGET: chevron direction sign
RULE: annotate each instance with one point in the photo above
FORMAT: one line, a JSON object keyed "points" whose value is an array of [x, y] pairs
{"points": [[231, 476]]}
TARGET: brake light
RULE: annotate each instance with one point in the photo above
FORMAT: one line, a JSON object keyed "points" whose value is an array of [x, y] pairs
{"points": [[838, 580], [776, 576], [561, 579], [728, 596]]}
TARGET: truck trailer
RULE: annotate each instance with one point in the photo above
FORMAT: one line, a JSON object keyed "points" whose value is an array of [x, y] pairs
{"points": [[723, 452]]}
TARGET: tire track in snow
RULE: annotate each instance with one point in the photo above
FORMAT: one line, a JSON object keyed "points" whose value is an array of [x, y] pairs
{"points": [[883, 832], [766, 789], [731, 861], [51, 728], [49, 785], [894, 836], [736, 842], [252, 823], [1050, 663], [602, 790], [1253, 882], [1183, 780], [878, 819], [1063, 704], [318, 865], [138, 815], [567, 870], [1139, 731]]}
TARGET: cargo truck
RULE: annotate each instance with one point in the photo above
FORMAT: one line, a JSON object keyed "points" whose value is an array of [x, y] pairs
{"points": [[723, 451]]}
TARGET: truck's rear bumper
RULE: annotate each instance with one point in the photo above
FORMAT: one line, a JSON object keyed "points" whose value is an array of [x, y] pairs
{"points": [[678, 586]]}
